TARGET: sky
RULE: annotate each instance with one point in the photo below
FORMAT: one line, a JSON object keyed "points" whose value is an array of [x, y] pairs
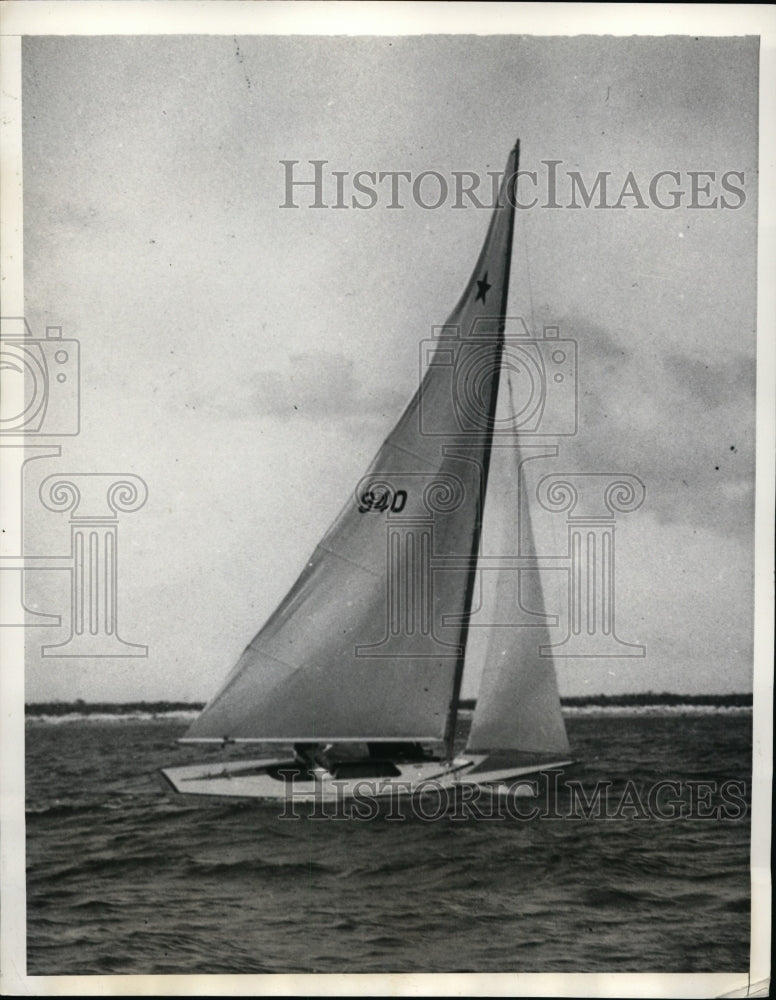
{"points": [[247, 360]]}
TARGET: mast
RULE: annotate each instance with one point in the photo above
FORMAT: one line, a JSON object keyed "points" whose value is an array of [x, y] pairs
{"points": [[508, 189]]}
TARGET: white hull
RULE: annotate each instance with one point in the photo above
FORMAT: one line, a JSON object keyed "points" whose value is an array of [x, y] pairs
{"points": [[258, 780]]}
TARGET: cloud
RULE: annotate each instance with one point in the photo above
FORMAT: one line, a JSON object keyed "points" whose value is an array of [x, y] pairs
{"points": [[313, 384], [684, 424], [713, 384]]}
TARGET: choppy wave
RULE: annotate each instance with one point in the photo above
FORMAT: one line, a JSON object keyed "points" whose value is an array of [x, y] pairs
{"points": [[124, 879]]}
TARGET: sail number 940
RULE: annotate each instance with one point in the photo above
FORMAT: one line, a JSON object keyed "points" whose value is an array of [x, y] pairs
{"points": [[383, 499]]}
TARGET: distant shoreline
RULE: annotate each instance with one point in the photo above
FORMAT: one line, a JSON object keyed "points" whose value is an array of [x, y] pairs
{"points": [[55, 708]]}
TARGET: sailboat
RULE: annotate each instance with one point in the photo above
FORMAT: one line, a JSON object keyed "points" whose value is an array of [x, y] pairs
{"points": [[360, 667]]}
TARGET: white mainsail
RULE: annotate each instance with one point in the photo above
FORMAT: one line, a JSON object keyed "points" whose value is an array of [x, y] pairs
{"points": [[361, 647]]}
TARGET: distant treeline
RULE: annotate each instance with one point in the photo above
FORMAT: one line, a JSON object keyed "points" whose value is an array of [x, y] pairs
{"points": [[579, 701], [650, 698], [80, 707], [644, 698]]}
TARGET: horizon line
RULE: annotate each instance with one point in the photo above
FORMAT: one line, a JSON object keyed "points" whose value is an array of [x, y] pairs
{"points": [[567, 699]]}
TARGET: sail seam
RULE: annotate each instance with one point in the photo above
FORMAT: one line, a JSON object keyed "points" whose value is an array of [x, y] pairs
{"points": [[405, 451], [269, 656], [350, 562]]}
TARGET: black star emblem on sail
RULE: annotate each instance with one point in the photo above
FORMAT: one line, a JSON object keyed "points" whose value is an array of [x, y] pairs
{"points": [[482, 288]]}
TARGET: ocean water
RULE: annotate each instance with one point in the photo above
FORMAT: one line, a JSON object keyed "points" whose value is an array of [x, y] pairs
{"points": [[122, 879]]}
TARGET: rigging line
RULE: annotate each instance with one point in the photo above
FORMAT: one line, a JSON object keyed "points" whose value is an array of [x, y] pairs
{"points": [[528, 278]]}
